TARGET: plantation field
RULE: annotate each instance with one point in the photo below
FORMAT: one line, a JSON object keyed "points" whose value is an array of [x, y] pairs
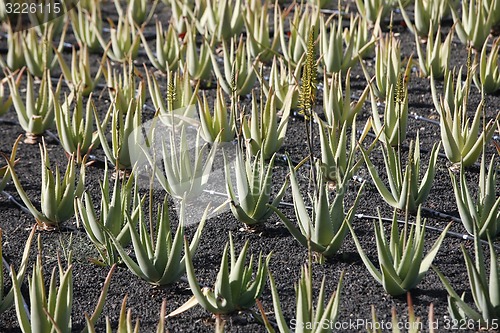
{"points": [[360, 293]]}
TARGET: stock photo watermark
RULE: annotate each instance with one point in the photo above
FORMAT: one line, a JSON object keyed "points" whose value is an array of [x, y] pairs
{"points": [[168, 153], [26, 14], [363, 325]]}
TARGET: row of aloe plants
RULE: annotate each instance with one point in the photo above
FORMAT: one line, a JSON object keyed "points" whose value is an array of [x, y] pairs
{"points": [[124, 221], [401, 261], [176, 47]]}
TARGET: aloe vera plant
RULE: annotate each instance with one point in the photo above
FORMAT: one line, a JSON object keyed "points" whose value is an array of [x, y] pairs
{"points": [[261, 45], [485, 289], [51, 312], [123, 85], [4, 170], [337, 104], [402, 264], [307, 318], [137, 12], [493, 9], [283, 83], [223, 18], [185, 169], [239, 74], [262, 130], [198, 63], [427, 16], [305, 18], [404, 193], [474, 26], [373, 10], [222, 124], [179, 94], [166, 55], [339, 53], [462, 142], [123, 124], [78, 76], [15, 50], [250, 201], [392, 130], [454, 89], [483, 214], [5, 101], [57, 193], [125, 324], [337, 159], [234, 288], [75, 125], [159, 260], [361, 36], [325, 229], [181, 10], [436, 59], [388, 66], [7, 297], [51, 18], [488, 79], [118, 212], [39, 52], [36, 114], [124, 40], [86, 23]]}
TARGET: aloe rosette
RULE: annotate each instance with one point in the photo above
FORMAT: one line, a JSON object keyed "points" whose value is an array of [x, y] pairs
{"points": [[57, 193], [485, 288], [250, 200], [159, 260], [234, 289], [402, 264]]}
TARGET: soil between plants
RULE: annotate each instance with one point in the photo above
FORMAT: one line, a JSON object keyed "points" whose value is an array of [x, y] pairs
{"points": [[359, 292]]}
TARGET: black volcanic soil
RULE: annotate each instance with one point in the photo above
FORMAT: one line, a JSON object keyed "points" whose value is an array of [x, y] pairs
{"points": [[359, 291]]}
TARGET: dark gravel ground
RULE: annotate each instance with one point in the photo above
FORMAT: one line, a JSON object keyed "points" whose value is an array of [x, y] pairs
{"points": [[359, 290]]}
